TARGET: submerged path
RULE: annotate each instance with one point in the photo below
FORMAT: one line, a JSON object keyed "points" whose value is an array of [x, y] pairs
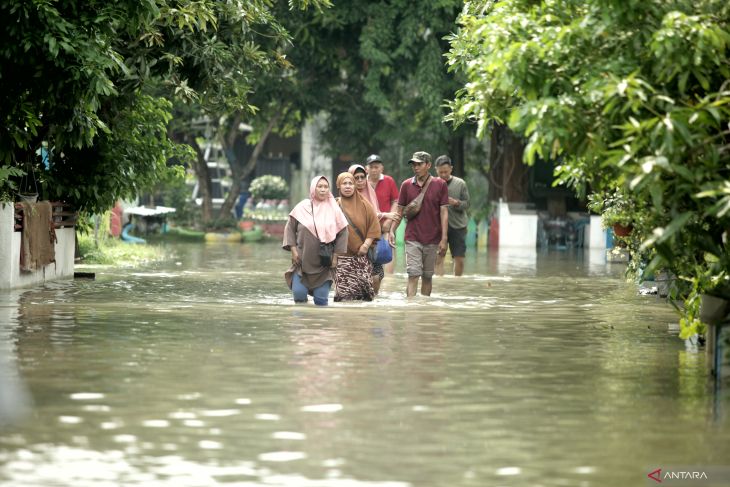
{"points": [[532, 369]]}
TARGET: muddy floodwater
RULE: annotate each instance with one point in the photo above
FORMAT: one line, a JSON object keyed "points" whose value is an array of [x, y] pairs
{"points": [[533, 369]]}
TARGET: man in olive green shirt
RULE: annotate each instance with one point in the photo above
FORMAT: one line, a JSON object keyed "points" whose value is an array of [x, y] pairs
{"points": [[458, 218]]}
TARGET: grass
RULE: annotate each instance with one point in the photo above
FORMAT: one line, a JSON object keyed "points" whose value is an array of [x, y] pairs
{"points": [[117, 253]]}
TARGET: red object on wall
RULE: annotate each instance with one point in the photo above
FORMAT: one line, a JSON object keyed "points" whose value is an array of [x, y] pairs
{"points": [[115, 222], [493, 233], [274, 229]]}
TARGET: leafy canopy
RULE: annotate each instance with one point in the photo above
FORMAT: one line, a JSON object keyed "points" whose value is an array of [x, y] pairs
{"points": [[377, 69], [632, 95], [76, 71]]}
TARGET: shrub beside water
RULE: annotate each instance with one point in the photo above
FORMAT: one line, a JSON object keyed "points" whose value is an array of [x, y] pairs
{"points": [[115, 252], [269, 187]]}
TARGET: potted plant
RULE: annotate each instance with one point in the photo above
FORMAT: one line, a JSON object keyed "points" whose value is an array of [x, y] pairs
{"points": [[617, 209], [269, 187], [246, 224], [270, 193]]}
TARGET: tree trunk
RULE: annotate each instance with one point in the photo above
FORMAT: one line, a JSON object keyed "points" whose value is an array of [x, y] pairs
{"points": [[205, 186], [457, 155], [241, 172], [508, 174]]}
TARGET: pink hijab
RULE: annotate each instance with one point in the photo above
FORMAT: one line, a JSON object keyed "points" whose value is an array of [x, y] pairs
{"points": [[368, 193], [327, 214]]}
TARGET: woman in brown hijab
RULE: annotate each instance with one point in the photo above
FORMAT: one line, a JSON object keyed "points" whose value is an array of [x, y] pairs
{"points": [[353, 277], [368, 193]]}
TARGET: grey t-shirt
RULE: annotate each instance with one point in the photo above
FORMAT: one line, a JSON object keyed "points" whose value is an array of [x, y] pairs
{"points": [[458, 218]]}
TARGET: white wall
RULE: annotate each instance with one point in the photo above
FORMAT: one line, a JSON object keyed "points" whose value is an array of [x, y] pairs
{"points": [[517, 227], [595, 234], [10, 275], [313, 160]]}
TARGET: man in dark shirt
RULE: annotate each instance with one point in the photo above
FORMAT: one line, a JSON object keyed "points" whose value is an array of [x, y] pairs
{"points": [[427, 231]]}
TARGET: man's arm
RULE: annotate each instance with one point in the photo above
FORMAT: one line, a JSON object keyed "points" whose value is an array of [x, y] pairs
{"points": [[443, 244], [464, 198], [396, 221]]}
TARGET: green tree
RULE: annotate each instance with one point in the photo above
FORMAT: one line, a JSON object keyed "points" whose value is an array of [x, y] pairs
{"points": [[75, 71], [633, 95], [277, 102], [377, 69], [374, 68]]}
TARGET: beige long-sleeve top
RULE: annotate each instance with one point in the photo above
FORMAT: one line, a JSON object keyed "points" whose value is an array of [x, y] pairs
{"points": [[311, 271]]}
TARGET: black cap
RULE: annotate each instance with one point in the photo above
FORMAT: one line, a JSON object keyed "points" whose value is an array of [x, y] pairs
{"points": [[373, 158]]}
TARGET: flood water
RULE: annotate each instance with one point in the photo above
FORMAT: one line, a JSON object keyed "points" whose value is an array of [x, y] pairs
{"points": [[532, 369]]}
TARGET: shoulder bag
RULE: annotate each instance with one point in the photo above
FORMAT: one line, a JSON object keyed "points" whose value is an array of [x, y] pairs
{"points": [[412, 208], [325, 249]]}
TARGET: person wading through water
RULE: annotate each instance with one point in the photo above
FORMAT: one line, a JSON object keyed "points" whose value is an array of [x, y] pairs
{"points": [[353, 279], [427, 227], [314, 221], [368, 194], [387, 192], [458, 218]]}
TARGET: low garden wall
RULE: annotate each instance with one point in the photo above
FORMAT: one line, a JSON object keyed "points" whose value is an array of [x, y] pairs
{"points": [[10, 274]]}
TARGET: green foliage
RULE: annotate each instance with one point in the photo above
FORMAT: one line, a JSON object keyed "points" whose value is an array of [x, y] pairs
{"points": [[175, 193], [117, 253], [8, 186], [376, 68], [615, 208], [690, 323], [129, 159], [84, 224], [269, 187], [77, 75], [632, 95]]}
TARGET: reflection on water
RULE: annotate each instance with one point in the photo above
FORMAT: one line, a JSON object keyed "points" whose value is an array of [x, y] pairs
{"points": [[545, 369]]}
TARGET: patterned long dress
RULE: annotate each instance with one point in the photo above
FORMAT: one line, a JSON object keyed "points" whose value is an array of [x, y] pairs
{"points": [[353, 279]]}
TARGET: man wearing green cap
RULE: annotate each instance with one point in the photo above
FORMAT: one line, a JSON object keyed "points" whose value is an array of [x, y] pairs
{"points": [[424, 201]]}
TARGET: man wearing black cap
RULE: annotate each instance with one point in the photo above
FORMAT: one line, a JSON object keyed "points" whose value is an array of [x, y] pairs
{"points": [[428, 222], [386, 193], [385, 189]]}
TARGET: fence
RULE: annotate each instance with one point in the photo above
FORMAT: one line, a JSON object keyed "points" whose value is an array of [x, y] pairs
{"points": [[64, 215]]}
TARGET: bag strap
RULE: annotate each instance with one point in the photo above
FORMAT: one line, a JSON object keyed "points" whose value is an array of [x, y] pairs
{"points": [[315, 222], [422, 194], [357, 230], [425, 186]]}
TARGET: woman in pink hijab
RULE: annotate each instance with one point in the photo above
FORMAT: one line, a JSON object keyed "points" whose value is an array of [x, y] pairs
{"points": [[317, 219]]}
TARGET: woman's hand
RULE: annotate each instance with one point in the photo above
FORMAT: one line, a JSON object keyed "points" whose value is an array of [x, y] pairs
{"points": [[363, 250], [394, 216], [391, 238], [295, 258]]}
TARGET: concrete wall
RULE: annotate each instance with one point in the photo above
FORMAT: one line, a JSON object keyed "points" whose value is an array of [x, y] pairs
{"points": [[10, 275], [313, 160], [517, 226], [595, 234]]}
